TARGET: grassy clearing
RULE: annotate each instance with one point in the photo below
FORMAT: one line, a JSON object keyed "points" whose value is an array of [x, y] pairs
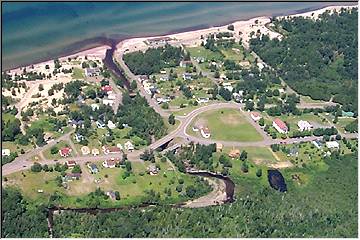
{"points": [[78, 73], [205, 53], [237, 127], [131, 189], [61, 144]]}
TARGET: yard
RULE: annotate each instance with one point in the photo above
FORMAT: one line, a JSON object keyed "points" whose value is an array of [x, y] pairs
{"points": [[48, 155], [226, 124], [78, 73], [131, 188]]}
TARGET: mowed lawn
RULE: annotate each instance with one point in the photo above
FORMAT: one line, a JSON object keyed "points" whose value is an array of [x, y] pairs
{"points": [[228, 125]]}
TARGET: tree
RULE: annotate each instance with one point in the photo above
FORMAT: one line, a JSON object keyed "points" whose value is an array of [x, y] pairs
{"points": [[128, 166], [243, 155], [76, 169], [41, 87], [190, 191], [244, 167], [231, 27], [54, 150], [36, 167], [262, 122], [216, 74], [117, 195], [338, 137], [133, 85], [171, 119], [259, 172], [249, 105], [215, 91], [165, 105]]}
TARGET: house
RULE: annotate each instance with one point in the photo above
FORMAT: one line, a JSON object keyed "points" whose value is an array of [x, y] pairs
{"points": [[78, 137], [280, 126], [234, 153], [93, 168], [110, 150], [219, 147], [164, 77], [152, 170], [223, 76], [48, 137], [160, 100], [5, 152], [111, 125], [228, 87], [107, 101], [202, 100], [200, 59], [85, 150], [129, 146], [347, 114], [237, 97], [107, 89], [195, 128], [332, 144], [304, 125], [187, 76], [76, 123], [111, 195], [95, 151], [143, 78], [109, 163], [94, 106], [317, 144], [260, 66], [100, 124], [185, 63], [92, 72], [70, 163], [120, 146], [111, 96], [255, 116], [293, 152], [71, 176], [65, 152], [205, 132], [163, 71]]}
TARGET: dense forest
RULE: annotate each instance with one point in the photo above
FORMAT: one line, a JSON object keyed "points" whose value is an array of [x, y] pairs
{"points": [[143, 119], [19, 218], [316, 58], [325, 207], [153, 59]]}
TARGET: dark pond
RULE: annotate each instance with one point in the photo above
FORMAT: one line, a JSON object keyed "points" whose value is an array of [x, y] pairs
{"points": [[276, 180]]}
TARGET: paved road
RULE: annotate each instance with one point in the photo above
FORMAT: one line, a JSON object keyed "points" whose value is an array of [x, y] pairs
{"points": [[152, 102], [19, 163]]}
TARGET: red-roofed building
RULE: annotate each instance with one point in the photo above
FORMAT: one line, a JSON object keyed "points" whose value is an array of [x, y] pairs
{"points": [[106, 88], [255, 116], [65, 152], [108, 150], [280, 126], [109, 163], [70, 163]]}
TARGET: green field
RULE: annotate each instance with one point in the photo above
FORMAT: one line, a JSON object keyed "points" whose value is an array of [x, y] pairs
{"points": [[226, 124], [205, 53], [131, 189], [48, 155], [78, 73]]}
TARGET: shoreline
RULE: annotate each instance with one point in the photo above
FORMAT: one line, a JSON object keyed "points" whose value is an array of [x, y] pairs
{"points": [[89, 46]]}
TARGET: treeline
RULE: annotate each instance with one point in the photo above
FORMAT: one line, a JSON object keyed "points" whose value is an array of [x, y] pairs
{"points": [[20, 218], [142, 119], [153, 59], [325, 207], [316, 58]]}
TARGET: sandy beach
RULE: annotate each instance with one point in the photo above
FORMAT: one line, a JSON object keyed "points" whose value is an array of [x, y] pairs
{"points": [[242, 29]]}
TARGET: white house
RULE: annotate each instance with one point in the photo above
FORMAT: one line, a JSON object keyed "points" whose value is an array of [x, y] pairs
{"points": [[202, 100], [255, 116], [228, 87], [109, 102], [205, 132], [332, 144], [187, 76], [280, 126], [260, 66], [129, 146], [317, 144], [100, 124], [111, 125], [109, 163], [92, 72], [94, 106], [304, 125], [5, 152]]}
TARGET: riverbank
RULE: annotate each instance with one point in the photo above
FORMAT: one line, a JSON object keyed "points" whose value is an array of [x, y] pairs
{"points": [[189, 37]]}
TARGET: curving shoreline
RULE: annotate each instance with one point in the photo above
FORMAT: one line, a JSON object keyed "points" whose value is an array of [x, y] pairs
{"points": [[96, 42]]}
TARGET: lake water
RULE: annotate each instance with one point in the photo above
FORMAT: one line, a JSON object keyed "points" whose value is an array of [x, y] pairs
{"points": [[36, 31]]}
